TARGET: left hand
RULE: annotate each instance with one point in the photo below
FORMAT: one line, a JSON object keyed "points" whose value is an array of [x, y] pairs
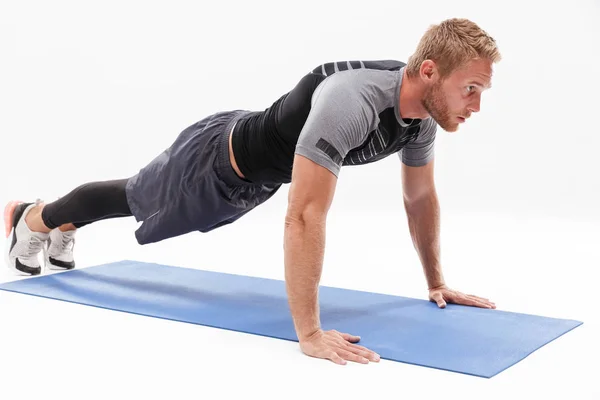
{"points": [[442, 295]]}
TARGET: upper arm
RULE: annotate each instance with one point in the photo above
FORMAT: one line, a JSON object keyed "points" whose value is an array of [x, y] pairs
{"points": [[340, 118], [418, 163], [311, 190], [343, 112], [417, 181], [421, 151]]}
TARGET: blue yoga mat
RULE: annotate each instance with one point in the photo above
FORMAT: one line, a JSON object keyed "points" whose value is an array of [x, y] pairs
{"points": [[462, 339]]}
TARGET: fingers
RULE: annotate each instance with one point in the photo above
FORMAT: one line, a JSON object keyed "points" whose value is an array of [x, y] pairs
{"points": [[357, 353], [439, 299], [335, 357], [452, 296], [365, 353], [336, 347], [348, 343], [480, 302], [350, 338], [478, 298], [474, 301], [483, 300], [351, 356]]}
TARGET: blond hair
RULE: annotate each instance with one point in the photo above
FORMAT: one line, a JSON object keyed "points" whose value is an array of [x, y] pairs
{"points": [[451, 44]]}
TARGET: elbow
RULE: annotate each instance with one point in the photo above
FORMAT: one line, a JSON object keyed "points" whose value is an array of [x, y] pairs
{"points": [[303, 216], [415, 200], [300, 223]]}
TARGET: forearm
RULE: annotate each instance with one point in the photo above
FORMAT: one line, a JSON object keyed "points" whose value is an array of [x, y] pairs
{"points": [[304, 247], [424, 225]]}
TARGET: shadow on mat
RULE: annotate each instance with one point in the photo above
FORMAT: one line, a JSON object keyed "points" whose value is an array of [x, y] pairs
{"points": [[241, 298]]}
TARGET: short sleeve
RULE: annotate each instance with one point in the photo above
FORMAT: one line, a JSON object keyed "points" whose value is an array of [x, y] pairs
{"points": [[341, 116], [420, 151]]}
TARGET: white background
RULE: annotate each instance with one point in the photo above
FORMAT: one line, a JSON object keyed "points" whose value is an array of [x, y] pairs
{"points": [[94, 91]]}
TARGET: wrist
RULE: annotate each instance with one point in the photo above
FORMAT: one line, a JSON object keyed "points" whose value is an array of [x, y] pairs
{"points": [[306, 332], [437, 285], [304, 336], [305, 316]]}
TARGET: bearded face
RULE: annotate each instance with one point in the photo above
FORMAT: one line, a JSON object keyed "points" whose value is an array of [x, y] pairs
{"points": [[437, 105], [451, 100]]}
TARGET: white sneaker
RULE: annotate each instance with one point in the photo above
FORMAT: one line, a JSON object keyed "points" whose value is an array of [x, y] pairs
{"points": [[58, 253], [23, 245]]}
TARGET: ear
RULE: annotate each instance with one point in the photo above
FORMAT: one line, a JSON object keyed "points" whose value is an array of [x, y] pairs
{"points": [[428, 70]]}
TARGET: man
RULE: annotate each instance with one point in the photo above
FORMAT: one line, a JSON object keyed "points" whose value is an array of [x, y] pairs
{"points": [[218, 169]]}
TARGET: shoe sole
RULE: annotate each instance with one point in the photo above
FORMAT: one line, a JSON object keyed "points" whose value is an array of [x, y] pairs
{"points": [[10, 225], [48, 264]]}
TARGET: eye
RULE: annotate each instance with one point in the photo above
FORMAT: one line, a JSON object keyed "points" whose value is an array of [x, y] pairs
{"points": [[470, 88]]}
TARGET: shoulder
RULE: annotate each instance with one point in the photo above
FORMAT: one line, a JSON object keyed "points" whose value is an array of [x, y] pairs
{"points": [[428, 129], [332, 67], [362, 85], [359, 78]]}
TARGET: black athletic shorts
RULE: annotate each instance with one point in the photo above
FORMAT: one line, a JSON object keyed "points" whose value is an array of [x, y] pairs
{"points": [[192, 186]]}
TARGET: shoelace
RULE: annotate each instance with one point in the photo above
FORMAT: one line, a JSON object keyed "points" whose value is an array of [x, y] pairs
{"points": [[34, 247], [67, 241]]}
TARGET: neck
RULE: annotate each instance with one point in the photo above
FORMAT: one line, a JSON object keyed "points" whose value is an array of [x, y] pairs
{"points": [[411, 93]]}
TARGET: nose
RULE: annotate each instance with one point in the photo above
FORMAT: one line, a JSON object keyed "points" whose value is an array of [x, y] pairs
{"points": [[475, 105]]}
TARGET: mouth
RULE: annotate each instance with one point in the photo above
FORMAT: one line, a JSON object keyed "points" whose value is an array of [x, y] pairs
{"points": [[461, 119]]}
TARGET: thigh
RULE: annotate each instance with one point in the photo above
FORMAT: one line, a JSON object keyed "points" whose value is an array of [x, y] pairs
{"points": [[186, 188]]}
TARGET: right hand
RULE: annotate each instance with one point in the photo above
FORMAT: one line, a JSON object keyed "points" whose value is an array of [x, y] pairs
{"points": [[337, 347]]}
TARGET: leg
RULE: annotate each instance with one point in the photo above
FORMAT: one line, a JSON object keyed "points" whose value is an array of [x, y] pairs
{"points": [[33, 225], [85, 204]]}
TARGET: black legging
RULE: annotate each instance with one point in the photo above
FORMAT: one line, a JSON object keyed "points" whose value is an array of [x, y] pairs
{"points": [[88, 203]]}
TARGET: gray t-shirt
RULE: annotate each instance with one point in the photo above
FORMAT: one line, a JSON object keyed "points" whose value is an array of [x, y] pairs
{"points": [[355, 119], [340, 113]]}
